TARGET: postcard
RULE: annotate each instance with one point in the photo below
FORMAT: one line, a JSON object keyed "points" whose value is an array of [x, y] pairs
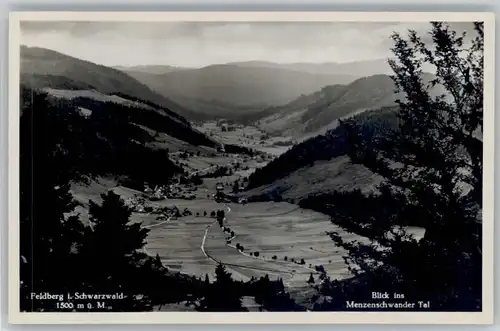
{"points": [[251, 167]]}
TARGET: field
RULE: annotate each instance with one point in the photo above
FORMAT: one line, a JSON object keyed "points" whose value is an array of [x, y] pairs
{"points": [[280, 229], [92, 94], [283, 234], [247, 136], [279, 239], [272, 229]]}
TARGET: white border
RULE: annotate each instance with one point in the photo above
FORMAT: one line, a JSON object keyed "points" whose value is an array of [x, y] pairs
{"points": [[484, 317]]}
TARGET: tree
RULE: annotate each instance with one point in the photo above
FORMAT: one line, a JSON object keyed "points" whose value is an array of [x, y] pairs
{"points": [[271, 295], [432, 166], [112, 247], [256, 254], [157, 261], [60, 253], [222, 295], [221, 214], [311, 279], [205, 213], [49, 238], [236, 187]]}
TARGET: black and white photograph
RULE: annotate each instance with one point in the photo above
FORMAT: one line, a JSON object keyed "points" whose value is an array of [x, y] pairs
{"points": [[256, 166]]}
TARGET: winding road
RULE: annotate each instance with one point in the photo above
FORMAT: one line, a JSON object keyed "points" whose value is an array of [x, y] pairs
{"points": [[211, 258], [285, 275]]}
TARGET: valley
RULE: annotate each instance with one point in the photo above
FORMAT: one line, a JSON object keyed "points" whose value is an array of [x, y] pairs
{"points": [[278, 239], [221, 189], [251, 166]]}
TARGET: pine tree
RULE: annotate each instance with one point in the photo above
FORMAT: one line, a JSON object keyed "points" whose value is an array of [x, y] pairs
{"points": [[112, 247], [222, 295], [157, 262], [432, 165], [236, 187], [311, 279]]}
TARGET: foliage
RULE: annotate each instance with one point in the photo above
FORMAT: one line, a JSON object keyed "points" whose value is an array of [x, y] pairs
{"points": [[59, 254], [432, 168], [271, 295], [222, 295]]}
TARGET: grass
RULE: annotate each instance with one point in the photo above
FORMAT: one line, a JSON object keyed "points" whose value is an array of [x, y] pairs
{"points": [[246, 136], [280, 229], [272, 229]]}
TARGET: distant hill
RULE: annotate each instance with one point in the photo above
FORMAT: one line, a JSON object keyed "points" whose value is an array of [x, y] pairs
{"points": [[42, 67], [207, 110], [313, 113], [150, 69], [93, 87], [354, 69], [239, 85], [245, 91]]}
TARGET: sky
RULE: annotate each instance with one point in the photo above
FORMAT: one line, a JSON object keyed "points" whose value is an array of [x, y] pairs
{"points": [[198, 44]]}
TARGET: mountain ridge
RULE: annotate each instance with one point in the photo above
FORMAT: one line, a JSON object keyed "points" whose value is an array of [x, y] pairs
{"points": [[238, 85], [42, 63]]}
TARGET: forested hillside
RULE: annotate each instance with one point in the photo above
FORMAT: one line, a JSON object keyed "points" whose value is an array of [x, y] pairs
{"points": [[326, 147]]}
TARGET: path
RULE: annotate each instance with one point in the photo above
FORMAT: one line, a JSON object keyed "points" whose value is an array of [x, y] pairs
{"points": [[280, 273], [207, 255], [201, 170]]}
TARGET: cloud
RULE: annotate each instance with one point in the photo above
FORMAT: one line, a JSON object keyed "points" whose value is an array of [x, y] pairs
{"points": [[203, 43]]}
